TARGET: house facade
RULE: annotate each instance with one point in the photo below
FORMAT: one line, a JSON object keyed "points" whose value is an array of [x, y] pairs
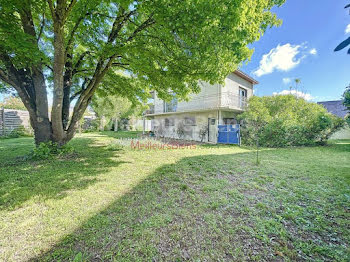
{"points": [[198, 118]]}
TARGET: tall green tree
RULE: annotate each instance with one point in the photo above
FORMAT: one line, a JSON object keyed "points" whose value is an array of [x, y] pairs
{"points": [[77, 46]]}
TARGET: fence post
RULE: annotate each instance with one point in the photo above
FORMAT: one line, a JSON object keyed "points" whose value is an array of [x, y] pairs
{"points": [[2, 111]]}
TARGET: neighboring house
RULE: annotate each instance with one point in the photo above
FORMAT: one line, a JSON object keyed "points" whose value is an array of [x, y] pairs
{"points": [[198, 119], [337, 108]]}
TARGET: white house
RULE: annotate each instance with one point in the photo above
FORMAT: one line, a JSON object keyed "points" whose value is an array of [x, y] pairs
{"points": [[198, 119]]}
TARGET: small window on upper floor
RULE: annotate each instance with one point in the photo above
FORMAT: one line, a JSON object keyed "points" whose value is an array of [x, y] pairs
{"points": [[170, 106], [242, 92]]}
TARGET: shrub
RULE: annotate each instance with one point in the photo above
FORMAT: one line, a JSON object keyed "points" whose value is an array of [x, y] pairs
{"points": [[285, 120], [49, 150]]}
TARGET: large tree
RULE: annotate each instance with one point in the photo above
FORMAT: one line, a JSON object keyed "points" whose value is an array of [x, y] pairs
{"points": [[73, 47]]}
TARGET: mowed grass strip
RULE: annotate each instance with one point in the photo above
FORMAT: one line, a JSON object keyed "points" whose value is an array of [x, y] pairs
{"points": [[109, 202]]}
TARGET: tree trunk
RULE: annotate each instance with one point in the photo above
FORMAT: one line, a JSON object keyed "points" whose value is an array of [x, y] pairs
{"points": [[58, 134], [102, 123], [42, 132], [115, 125]]}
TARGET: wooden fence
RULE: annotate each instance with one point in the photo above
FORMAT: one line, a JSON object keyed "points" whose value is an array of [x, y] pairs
{"points": [[11, 119]]}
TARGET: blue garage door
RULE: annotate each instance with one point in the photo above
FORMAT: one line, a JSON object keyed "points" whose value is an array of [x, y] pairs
{"points": [[229, 134]]}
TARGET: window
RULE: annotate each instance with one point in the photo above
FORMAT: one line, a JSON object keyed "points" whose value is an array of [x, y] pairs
{"points": [[242, 92], [242, 98], [230, 121], [190, 121], [169, 122], [170, 106]]}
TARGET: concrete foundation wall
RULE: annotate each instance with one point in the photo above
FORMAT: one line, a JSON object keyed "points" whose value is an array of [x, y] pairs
{"points": [[169, 125]]}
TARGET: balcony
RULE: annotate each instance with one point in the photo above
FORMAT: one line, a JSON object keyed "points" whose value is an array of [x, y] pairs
{"points": [[149, 111], [200, 102], [233, 101]]}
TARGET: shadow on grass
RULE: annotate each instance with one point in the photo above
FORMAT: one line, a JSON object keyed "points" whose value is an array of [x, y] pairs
{"points": [[168, 216], [215, 207], [21, 180]]}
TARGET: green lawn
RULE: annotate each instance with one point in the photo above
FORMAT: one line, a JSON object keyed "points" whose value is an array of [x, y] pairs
{"points": [[108, 202]]}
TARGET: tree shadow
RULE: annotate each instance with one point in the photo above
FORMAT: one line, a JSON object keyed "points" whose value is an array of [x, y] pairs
{"points": [[207, 207], [22, 179], [174, 215]]}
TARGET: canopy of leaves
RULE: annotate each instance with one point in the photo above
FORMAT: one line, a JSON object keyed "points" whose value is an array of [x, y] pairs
{"points": [[284, 120], [113, 107], [346, 42], [162, 44], [12, 102]]}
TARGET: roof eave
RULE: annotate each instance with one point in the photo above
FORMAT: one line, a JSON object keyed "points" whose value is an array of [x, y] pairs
{"points": [[246, 77]]}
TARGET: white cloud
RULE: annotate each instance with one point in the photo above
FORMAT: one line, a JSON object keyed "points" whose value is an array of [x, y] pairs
{"points": [[313, 51], [347, 29], [299, 94], [286, 80], [281, 58]]}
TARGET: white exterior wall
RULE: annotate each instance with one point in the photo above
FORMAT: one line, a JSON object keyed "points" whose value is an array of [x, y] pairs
{"points": [[158, 104], [207, 98], [192, 132], [212, 96], [230, 91]]}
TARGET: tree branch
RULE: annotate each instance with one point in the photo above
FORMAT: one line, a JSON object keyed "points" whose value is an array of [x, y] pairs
{"points": [[118, 24], [52, 9], [79, 62], [70, 7], [75, 28], [143, 26], [41, 28], [5, 78]]}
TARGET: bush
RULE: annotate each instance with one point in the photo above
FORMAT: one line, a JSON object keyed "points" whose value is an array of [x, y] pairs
{"points": [[49, 150], [280, 121]]}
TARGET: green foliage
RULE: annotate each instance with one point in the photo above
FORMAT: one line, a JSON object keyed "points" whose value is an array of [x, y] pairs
{"points": [[50, 150], [179, 43], [280, 121], [12, 102], [110, 108], [346, 42], [346, 97]]}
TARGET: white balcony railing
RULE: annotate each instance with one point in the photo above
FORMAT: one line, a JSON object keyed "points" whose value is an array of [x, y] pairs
{"points": [[228, 100], [231, 100]]}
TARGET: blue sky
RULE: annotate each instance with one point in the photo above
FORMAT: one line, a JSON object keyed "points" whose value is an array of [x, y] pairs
{"points": [[303, 48]]}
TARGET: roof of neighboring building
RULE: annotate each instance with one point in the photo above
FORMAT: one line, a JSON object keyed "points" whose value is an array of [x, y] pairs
{"points": [[246, 77], [335, 107]]}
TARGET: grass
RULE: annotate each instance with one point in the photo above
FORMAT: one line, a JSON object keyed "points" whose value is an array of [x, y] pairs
{"points": [[107, 202]]}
